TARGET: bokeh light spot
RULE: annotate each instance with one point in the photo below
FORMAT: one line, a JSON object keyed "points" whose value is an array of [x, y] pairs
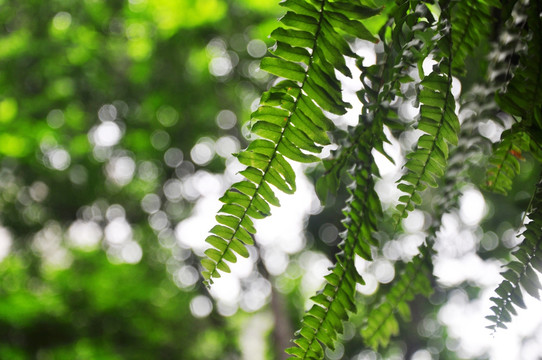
{"points": [[472, 207], [173, 157], [203, 152], [107, 112], [220, 66], [160, 139], [131, 253], [226, 146], [106, 134], [226, 119], [186, 276], [59, 159], [62, 21], [328, 233], [201, 306], [121, 170], [167, 115], [151, 203], [383, 271], [256, 48], [118, 231], [55, 118], [5, 242], [84, 234]]}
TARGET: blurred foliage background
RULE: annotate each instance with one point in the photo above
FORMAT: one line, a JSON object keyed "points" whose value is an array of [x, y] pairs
{"points": [[101, 104], [115, 116]]}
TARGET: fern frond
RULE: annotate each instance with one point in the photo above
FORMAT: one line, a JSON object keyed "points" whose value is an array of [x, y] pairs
{"points": [[522, 272], [524, 92], [323, 322], [414, 280], [523, 100], [290, 120], [472, 22], [504, 162], [476, 106], [382, 85], [440, 124], [510, 46], [393, 303]]}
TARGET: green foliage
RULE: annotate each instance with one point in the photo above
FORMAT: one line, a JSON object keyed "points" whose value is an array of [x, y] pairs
{"points": [[439, 122], [522, 95], [308, 51], [290, 120], [323, 322], [140, 74], [110, 153], [504, 164], [520, 274], [112, 312], [470, 27], [520, 98]]}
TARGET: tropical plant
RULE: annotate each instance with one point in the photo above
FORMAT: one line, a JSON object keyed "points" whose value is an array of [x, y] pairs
{"points": [[424, 50]]}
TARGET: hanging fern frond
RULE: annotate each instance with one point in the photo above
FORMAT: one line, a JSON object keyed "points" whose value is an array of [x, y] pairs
{"points": [[472, 22], [439, 122], [323, 322], [290, 121], [523, 100], [414, 280], [382, 85], [509, 47], [521, 274], [504, 163], [524, 92]]}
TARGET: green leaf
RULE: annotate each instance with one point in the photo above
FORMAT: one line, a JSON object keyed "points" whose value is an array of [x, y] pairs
{"points": [[289, 150], [301, 22], [239, 248], [267, 131], [291, 53], [351, 27], [286, 69], [322, 97], [293, 37], [253, 159], [300, 7], [316, 115], [301, 140], [353, 11]]}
